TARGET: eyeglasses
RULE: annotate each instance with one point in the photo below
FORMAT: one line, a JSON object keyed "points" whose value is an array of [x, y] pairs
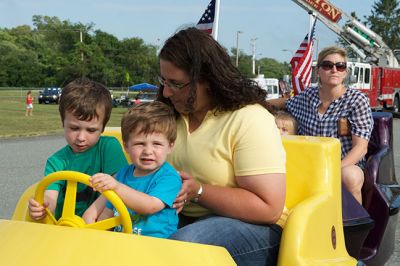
{"points": [[171, 85], [328, 65]]}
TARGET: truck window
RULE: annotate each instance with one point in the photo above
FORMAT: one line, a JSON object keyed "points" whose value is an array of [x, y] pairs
{"points": [[356, 70], [361, 75], [276, 90], [367, 75], [269, 89]]}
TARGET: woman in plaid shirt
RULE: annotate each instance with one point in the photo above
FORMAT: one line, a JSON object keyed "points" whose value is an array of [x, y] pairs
{"points": [[334, 110]]}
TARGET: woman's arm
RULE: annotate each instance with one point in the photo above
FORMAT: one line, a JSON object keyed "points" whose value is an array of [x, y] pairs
{"points": [[357, 152], [279, 103], [258, 199]]}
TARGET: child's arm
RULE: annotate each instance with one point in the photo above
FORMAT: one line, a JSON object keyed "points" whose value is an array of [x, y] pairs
{"points": [[105, 214], [37, 211], [94, 211], [133, 199]]}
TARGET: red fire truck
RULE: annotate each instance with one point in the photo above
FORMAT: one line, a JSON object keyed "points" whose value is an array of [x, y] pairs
{"points": [[376, 72]]}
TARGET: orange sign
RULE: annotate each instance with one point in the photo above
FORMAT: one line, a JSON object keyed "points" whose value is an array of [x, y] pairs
{"points": [[326, 9]]}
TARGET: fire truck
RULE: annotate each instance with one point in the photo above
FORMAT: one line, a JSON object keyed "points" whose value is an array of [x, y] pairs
{"points": [[376, 72]]}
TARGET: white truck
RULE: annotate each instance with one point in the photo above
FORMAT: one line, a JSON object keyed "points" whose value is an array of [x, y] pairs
{"points": [[271, 85]]}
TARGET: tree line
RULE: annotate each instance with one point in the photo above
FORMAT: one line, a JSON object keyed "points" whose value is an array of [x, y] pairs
{"points": [[53, 52]]}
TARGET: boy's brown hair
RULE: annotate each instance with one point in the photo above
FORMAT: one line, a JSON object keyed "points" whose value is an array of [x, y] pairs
{"points": [[148, 118], [84, 98]]}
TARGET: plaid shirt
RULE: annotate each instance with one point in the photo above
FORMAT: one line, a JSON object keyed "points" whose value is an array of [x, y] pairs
{"points": [[353, 105]]}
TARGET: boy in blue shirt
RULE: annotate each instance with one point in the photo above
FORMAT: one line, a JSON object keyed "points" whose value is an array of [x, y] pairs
{"points": [[85, 108], [149, 185]]}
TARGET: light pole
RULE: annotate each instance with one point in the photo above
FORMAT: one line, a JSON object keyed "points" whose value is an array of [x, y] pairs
{"points": [[81, 40], [237, 47], [316, 47], [258, 67], [253, 44]]}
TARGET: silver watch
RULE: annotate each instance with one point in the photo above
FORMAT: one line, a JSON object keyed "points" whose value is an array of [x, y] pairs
{"points": [[199, 193]]}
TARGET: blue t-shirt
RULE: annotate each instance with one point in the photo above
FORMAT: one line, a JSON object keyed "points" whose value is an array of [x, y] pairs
{"points": [[163, 184]]}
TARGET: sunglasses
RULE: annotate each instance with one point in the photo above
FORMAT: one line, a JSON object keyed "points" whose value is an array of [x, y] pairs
{"points": [[328, 65]]}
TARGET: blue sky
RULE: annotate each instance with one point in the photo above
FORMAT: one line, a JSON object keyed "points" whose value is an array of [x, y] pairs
{"points": [[277, 24]]}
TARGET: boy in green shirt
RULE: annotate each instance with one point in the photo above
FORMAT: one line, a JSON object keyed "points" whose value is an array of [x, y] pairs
{"points": [[85, 108]]}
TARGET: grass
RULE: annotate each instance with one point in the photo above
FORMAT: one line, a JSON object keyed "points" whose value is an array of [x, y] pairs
{"points": [[45, 119]]}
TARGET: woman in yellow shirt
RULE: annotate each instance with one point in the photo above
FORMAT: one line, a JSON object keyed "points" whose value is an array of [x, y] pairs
{"points": [[228, 151]]}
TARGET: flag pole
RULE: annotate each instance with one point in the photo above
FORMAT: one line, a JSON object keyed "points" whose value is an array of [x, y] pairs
{"points": [[216, 20], [312, 20]]}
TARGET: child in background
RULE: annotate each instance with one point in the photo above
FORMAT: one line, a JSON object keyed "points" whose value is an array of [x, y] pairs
{"points": [[85, 108], [29, 103], [286, 123], [149, 185]]}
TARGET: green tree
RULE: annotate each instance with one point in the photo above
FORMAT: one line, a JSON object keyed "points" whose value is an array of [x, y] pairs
{"points": [[385, 21], [273, 69], [51, 53]]}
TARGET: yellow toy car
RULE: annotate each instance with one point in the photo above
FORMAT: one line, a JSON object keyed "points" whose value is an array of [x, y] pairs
{"points": [[313, 234]]}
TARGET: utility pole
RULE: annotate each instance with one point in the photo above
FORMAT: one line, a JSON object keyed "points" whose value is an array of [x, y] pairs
{"points": [[237, 47], [81, 39], [253, 44]]}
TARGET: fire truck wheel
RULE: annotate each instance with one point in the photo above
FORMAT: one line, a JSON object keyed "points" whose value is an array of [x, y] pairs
{"points": [[396, 104]]}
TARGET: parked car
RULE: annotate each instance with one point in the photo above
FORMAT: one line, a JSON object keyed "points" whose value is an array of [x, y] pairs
{"points": [[126, 101], [144, 97], [49, 95]]}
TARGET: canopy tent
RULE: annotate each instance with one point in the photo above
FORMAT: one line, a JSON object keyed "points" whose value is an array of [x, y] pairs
{"points": [[143, 87]]}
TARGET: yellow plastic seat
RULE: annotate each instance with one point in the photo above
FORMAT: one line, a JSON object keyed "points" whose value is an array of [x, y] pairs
{"points": [[313, 234], [116, 132]]}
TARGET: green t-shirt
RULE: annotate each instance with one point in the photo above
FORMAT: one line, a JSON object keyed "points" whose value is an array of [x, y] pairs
{"points": [[104, 157]]}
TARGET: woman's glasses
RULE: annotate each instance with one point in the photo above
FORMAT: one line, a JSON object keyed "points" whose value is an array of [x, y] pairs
{"points": [[328, 65], [172, 85]]}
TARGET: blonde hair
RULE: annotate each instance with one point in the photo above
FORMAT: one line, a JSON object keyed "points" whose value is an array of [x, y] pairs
{"points": [[286, 116], [331, 50], [147, 118]]}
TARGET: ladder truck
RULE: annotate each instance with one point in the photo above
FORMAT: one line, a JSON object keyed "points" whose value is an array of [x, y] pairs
{"points": [[378, 75]]}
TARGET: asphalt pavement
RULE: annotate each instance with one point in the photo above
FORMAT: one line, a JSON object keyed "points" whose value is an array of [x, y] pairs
{"points": [[22, 161]]}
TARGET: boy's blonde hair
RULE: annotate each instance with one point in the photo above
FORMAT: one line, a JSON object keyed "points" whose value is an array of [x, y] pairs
{"points": [[84, 98], [286, 116], [148, 118]]}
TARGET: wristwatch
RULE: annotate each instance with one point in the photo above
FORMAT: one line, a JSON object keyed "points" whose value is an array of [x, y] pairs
{"points": [[199, 192]]}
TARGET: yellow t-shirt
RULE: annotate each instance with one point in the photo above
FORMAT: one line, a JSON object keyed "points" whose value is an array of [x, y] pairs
{"points": [[239, 143]]}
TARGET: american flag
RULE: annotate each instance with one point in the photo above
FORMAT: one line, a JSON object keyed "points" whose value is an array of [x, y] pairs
{"points": [[206, 21], [301, 63]]}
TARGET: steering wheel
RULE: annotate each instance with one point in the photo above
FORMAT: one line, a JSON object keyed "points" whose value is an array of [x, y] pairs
{"points": [[68, 217]]}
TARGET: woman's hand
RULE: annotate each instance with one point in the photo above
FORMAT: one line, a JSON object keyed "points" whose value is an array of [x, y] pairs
{"points": [[188, 191]]}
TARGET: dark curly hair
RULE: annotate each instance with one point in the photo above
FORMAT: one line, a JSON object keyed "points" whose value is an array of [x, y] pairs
{"points": [[204, 59]]}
